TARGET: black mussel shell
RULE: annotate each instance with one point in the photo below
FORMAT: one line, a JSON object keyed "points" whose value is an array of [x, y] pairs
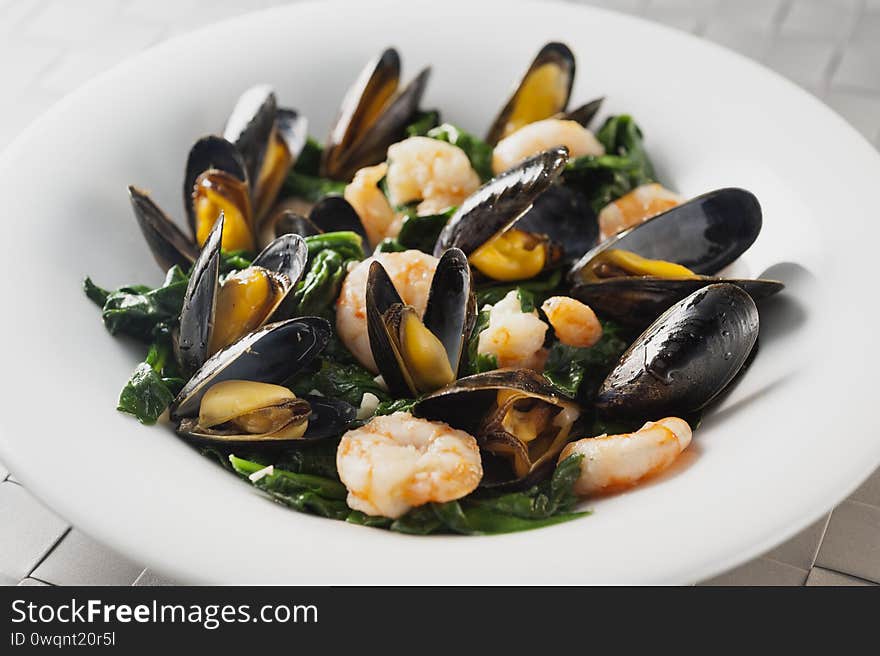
{"points": [[566, 217], [636, 302], [289, 222], [271, 354], [334, 214], [168, 244], [704, 234], [250, 125], [381, 296], [286, 254], [199, 303], [210, 152], [552, 53], [372, 90], [685, 358], [585, 113], [328, 418], [293, 128], [451, 309], [499, 203], [371, 147]]}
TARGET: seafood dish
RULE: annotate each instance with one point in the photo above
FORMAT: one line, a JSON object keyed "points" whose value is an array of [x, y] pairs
{"points": [[411, 327]]}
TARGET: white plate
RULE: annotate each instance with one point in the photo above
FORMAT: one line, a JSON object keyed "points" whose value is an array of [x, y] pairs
{"points": [[792, 439]]}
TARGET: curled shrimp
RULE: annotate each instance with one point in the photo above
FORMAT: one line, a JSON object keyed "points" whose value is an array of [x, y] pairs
{"points": [[574, 322], [537, 137], [514, 337], [631, 209], [410, 271], [396, 462], [616, 462], [368, 200], [430, 172]]}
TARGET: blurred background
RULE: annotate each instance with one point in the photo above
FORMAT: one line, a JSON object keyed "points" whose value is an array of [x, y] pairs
{"points": [[49, 48]]}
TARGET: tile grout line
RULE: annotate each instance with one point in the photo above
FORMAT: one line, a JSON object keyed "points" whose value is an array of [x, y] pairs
{"points": [[49, 552]]}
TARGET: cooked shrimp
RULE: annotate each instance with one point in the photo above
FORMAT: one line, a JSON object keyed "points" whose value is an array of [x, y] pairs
{"points": [[631, 209], [615, 462], [376, 214], [436, 174], [514, 337], [539, 136], [410, 271], [575, 323], [396, 462]]}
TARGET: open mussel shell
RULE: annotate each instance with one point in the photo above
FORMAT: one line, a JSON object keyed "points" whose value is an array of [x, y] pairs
{"points": [[585, 113], [335, 214], [685, 358], [250, 125], [211, 152], [451, 309], [293, 129], [288, 222], [470, 404], [637, 301], [565, 216], [200, 302], [168, 244], [417, 355], [286, 254], [543, 92], [499, 203], [327, 418], [704, 234], [390, 127], [271, 354], [361, 106]]}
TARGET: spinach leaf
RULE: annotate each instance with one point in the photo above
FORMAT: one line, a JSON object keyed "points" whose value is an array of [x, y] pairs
{"points": [[311, 187], [97, 295], [357, 517], [423, 123], [153, 385], [329, 256], [390, 245], [348, 382], [348, 244], [624, 167], [573, 370], [138, 310], [540, 288], [421, 232], [479, 362], [309, 160], [394, 405], [288, 482], [234, 261], [477, 150]]}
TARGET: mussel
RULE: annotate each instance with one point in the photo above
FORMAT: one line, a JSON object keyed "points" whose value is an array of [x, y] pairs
{"points": [[635, 275], [482, 226], [249, 413], [239, 174], [520, 421], [543, 92], [216, 315], [373, 115], [330, 214], [417, 355], [271, 354], [236, 397], [685, 358]]}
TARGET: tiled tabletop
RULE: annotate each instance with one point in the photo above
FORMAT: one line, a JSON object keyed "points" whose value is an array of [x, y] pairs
{"points": [[829, 47]]}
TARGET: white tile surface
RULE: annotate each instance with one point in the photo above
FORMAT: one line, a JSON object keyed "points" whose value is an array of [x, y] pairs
{"points": [[29, 531], [819, 576], [859, 67], [762, 571], [824, 19], [852, 541], [79, 560]]}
